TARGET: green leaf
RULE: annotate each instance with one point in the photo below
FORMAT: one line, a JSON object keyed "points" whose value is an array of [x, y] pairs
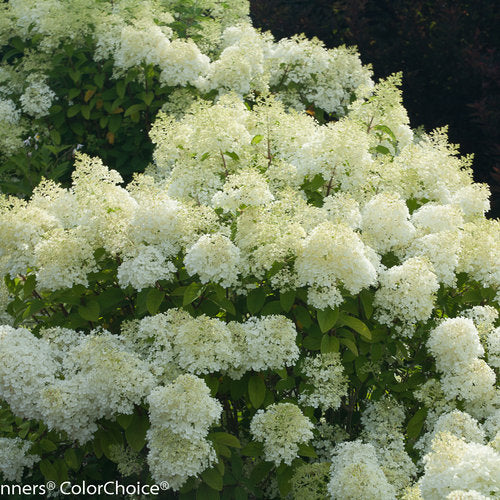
{"points": [[48, 470], [350, 345], [306, 450], [382, 150], [255, 300], [232, 155], [148, 98], [114, 123], [416, 423], [284, 484], [252, 449], [312, 343], [47, 445], [120, 88], [136, 432], [387, 130], [222, 450], [205, 492], [273, 307], [125, 420], [71, 459], [90, 311], [256, 390], [135, 108], [358, 326], [225, 304], [327, 318], [192, 292], [329, 344], [29, 286], [55, 136], [287, 299], [154, 299], [73, 110], [225, 439], [302, 315], [257, 138], [99, 79], [86, 112], [261, 471], [367, 302], [213, 478]]}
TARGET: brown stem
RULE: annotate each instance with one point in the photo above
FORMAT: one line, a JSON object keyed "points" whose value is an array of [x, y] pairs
{"points": [[224, 163]]}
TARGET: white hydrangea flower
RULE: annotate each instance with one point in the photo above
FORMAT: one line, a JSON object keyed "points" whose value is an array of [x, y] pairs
{"points": [[310, 481], [356, 474], [406, 292], [412, 493], [383, 428], [214, 258], [281, 427], [382, 420], [37, 99], [442, 250], [473, 381], [473, 200], [385, 223], [63, 259], [174, 458], [70, 405], [184, 407], [325, 374], [14, 458], [246, 188], [480, 252], [342, 208], [460, 424], [433, 218], [145, 269], [270, 343], [466, 495], [9, 114], [202, 344], [484, 318], [454, 341], [493, 347], [117, 376], [333, 253], [454, 464], [27, 365]]}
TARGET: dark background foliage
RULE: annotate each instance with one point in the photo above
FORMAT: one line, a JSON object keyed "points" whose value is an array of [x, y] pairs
{"points": [[448, 50]]}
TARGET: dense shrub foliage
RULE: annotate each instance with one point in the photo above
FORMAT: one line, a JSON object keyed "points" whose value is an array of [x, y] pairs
{"points": [[297, 298]]}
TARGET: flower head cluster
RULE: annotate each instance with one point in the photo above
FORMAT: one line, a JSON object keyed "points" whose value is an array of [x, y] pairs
{"points": [[355, 473], [406, 292], [281, 427], [383, 428], [214, 258], [456, 346], [180, 415], [14, 457], [37, 99], [70, 381], [184, 407], [328, 384], [453, 464]]}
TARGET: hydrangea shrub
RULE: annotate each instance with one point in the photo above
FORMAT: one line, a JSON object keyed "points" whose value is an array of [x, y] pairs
{"points": [[278, 307], [94, 74]]}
